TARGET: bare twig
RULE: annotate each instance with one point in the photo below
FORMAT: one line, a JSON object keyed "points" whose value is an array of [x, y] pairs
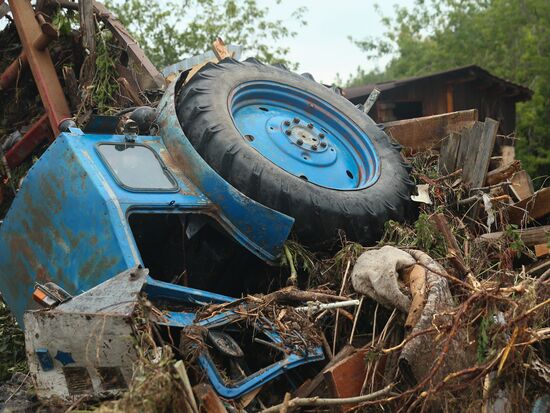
{"points": [[316, 401]]}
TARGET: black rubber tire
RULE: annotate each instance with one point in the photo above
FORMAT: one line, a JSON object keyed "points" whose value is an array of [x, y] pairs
{"points": [[205, 116]]}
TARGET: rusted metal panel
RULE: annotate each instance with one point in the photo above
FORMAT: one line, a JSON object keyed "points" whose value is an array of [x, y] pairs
{"points": [[147, 75], [38, 133], [40, 62]]}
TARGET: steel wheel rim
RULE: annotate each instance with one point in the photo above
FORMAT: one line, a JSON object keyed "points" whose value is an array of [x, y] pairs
{"points": [[304, 135]]}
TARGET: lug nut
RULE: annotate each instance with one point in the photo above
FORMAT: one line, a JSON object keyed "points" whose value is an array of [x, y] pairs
{"points": [[322, 135], [299, 142], [296, 120], [323, 144], [288, 132], [314, 147], [287, 123], [310, 125]]}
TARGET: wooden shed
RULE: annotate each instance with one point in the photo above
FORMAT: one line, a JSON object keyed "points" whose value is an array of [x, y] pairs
{"points": [[469, 87]]}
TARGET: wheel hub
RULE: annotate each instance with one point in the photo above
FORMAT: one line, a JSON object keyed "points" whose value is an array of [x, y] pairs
{"points": [[304, 135]]}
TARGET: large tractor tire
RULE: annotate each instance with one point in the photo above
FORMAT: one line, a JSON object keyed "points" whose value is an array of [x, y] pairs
{"points": [[297, 147]]}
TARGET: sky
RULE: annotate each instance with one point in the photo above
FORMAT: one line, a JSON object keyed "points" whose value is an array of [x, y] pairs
{"points": [[322, 48]]}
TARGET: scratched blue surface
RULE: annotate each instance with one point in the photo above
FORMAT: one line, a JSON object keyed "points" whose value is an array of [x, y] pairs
{"points": [[262, 230], [183, 295], [68, 223]]}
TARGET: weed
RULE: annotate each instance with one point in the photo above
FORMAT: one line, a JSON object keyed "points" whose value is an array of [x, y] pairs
{"points": [[12, 345]]}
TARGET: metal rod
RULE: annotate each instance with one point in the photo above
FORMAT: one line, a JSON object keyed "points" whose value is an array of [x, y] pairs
{"points": [[40, 63], [316, 306]]}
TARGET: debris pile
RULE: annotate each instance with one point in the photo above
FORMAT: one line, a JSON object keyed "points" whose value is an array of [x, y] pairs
{"points": [[449, 312]]}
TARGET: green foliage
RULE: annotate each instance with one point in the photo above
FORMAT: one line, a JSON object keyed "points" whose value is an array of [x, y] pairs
{"points": [[515, 243], [169, 31], [12, 345], [104, 86], [483, 340], [422, 235], [510, 38]]}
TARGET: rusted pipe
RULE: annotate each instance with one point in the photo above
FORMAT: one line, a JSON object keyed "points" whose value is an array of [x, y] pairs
{"points": [[49, 33], [40, 62], [11, 73], [38, 133]]}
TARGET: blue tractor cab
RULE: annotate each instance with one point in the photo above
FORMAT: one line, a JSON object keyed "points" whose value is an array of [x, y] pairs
{"points": [[94, 207]]}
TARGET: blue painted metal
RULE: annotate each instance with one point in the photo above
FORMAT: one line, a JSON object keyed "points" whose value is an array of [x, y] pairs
{"points": [[304, 135], [261, 229], [294, 357], [44, 358], [64, 358], [69, 222]]}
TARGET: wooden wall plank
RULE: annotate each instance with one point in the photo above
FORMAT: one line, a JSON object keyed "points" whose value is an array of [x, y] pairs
{"points": [[422, 133]]}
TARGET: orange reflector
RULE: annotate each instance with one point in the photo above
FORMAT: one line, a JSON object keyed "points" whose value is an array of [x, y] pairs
{"points": [[42, 298]]}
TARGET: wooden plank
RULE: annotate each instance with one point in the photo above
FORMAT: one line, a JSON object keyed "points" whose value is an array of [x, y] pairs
{"points": [[508, 154], [484, 152], [529, 236], [427, 132], [465, 139], [522, 185], [542, 250], [219, 49], [209, 400], [502, 173], [539, 268], [87, 25], [147, 75], [345, 379], [536, 206], [306, 391], [448, 154], [450, 98], [471, 153]]}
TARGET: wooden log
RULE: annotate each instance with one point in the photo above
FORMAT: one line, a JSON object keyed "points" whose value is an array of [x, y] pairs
{"points": [[419, 134], [453, 250], [71, 87], [535, 207], [502, 173], [87, 25], [522, 185], [529, 236], [539, 268], [415, 279]]}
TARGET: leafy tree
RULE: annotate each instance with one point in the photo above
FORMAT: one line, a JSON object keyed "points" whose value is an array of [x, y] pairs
{"points": [[510, 38], [171, 30]]}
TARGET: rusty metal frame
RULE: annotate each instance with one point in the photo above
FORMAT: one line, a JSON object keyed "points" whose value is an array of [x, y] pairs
{"points": [[34, 39], [37, 134]]}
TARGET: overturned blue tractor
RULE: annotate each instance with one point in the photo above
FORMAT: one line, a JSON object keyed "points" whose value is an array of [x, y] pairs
{"points": [[244, 154]]}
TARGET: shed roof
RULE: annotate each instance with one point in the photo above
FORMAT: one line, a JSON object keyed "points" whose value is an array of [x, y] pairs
{"points": [[521, 93]]}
